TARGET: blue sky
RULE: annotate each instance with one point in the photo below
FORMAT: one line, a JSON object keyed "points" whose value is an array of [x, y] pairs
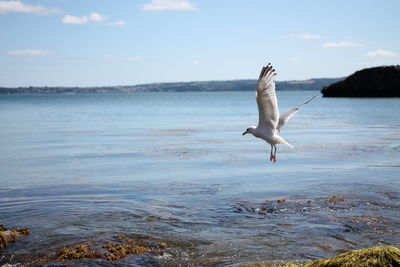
{"points": [[126, 42]]}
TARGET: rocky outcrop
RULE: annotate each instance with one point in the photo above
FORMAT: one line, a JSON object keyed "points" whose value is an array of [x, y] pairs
{"points": [[11, 236], [373, 82], [111, 249], [381, 256]]}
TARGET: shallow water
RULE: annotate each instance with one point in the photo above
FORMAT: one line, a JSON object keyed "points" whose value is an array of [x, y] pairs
{"points": [[174, 167]]}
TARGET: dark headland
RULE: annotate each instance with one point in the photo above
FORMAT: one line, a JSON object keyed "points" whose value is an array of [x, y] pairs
{"points": [[381, 81]]}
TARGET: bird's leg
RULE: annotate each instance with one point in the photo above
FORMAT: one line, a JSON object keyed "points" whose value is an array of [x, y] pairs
{"points": [[271, 156], [274, 156]]}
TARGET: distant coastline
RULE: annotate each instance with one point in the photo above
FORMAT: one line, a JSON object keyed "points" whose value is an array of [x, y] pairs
{"points": [[203, 86]]}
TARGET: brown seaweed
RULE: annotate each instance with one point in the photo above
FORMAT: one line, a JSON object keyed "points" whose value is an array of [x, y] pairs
{"points": [[113, 249], [11, 236]]}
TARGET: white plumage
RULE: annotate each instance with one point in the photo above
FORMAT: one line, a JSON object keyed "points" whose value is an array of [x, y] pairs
{"points": [[269, 121]]}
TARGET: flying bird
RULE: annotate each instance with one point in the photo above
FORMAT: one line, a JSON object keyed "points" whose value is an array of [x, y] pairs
{"points": [[269, 120]]}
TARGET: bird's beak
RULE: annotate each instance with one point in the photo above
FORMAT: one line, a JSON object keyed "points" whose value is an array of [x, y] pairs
{"points": [[245, 132]]}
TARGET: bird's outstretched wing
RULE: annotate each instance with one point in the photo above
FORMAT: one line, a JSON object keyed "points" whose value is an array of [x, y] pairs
{"points": [[284, 117], [268, 113]]}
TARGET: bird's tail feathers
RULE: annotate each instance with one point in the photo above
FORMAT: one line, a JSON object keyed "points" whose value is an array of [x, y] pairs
{"points": [[289, 145], [283, 141]]}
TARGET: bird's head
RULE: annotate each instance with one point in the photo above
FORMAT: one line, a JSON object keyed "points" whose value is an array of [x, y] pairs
{"points": [[249, 130]]}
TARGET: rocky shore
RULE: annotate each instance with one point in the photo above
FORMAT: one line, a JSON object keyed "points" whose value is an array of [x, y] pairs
{"points": [[381, 256], [119, 247]]}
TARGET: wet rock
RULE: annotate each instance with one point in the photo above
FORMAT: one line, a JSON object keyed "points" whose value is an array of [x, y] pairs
{"points": [[334, 199], [382, 256], [269, 207], [272, 265], [11, 236], [7, 237]]}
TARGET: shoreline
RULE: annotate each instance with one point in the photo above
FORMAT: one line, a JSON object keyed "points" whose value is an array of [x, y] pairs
{"points": [[122, 247]]}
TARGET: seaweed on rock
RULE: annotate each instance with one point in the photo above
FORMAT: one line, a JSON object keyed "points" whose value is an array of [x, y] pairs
{"points": [[113, 249], [381, 256], [11, 236]]}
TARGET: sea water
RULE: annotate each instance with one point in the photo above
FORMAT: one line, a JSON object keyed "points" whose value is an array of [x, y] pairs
{"points": [[174, 167]]}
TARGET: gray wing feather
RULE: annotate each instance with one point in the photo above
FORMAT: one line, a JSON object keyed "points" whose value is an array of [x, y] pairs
{"points": [[284, 117], [268, 113]]}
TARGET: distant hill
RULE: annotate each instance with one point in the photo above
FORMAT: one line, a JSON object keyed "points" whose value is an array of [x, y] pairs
{"points": [[373, 82], [232, 85]]}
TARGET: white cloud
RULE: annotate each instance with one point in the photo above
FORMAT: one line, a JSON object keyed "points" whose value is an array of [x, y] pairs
{"points": [[305, 36], [294, 59], [340, 44], [18, 6], [117, 23], [96, 17], [109, 58], [382, 53], [68, 19], [195, 62], [182, 5], [29, 52]]}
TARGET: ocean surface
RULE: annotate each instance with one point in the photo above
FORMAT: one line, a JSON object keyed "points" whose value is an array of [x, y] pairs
{"points": [[175, 168]]}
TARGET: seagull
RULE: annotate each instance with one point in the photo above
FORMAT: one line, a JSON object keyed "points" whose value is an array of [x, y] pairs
{"points": [[269, 120]]}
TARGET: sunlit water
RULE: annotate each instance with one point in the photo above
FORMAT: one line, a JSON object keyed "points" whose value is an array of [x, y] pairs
{"points": [[174, 167]]}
